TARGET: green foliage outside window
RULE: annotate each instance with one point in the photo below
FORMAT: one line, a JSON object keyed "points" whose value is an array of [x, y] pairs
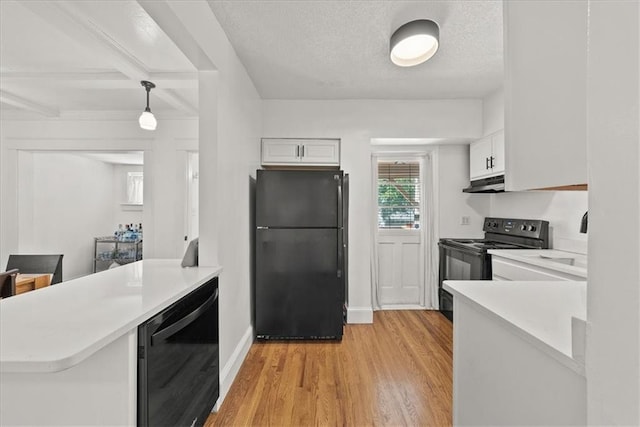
{"points": [[399, 202]]}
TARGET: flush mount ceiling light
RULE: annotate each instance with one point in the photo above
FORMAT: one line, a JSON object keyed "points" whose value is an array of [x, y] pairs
{"points": [[414, 42], [147, 120]]}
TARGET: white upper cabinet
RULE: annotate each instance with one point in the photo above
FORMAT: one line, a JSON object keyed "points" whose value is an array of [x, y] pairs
{"points": [[545, 45], [486, 156], [497, 144], [308, 152]]}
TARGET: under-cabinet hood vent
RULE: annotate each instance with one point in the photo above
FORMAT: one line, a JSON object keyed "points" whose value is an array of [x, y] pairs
{"points": [[494, 184]]}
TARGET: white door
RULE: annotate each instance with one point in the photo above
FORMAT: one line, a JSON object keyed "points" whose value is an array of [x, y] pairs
{"points": [[192, 205], [400, 241], [399, 267]]}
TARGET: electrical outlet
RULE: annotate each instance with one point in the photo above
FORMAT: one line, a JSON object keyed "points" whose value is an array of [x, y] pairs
{"points": [[464, 220]]}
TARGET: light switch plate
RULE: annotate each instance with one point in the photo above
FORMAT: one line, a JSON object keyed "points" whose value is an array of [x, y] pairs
{"points": [[464, 220]]}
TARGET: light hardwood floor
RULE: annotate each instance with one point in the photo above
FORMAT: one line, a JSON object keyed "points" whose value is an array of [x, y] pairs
{"points": [[395, 372]]}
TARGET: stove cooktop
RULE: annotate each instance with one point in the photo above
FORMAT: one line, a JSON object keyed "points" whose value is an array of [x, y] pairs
{"points": [[507, 233], [482, 244]]}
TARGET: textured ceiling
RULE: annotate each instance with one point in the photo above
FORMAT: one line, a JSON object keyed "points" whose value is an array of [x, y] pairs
{"points": [[340, 49]]}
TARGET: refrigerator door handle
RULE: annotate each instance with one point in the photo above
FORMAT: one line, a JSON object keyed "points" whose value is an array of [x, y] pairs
{"points": [[340, 252], [337, 177]]}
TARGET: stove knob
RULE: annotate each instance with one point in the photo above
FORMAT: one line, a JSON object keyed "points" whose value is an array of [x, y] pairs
{"points": [[532, 228], [523, 227]]}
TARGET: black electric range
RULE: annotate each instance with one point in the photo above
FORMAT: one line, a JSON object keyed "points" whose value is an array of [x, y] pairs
{"points": [[467, 259]]}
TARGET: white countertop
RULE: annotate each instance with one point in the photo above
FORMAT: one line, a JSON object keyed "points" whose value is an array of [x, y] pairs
{"points": [[56, 327], [540, 312], [551, 259]]}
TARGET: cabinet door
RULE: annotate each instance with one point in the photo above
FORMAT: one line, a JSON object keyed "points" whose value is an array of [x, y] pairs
{"points": [[321, 152], [497, 151], [280, 151], [479, 157], [545, 93]]}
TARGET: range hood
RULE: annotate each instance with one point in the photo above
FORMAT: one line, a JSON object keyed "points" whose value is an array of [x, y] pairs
{"points": [[494, 184]]}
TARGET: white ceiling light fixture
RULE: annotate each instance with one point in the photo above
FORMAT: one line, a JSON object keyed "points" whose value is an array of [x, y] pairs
{"points": [[414, 42], [147, 120]]}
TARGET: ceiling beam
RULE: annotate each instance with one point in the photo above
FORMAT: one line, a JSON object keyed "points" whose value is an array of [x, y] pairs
{"points": [[28, 105], [71, 21], [101, 79], [172, 26]]}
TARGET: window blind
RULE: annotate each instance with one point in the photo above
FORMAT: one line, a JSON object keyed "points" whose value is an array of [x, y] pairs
{"points": [[399, 194]]}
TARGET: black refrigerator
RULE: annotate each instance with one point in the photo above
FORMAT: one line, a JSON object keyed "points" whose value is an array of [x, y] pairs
{"points": [[301, 244]]}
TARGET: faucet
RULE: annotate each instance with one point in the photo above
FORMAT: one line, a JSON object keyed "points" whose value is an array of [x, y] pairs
{"points": [[584, 222]]}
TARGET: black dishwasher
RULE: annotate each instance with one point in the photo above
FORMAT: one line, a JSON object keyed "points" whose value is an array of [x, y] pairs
{"points": [[178, 361]]}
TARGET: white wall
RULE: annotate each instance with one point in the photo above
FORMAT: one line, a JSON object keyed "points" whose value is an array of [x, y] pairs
{"points": [[123, 214], [64, 201], [563, 210], [613, 149], [453, 204], [356, 123], [493, 112], [230, 129], [165, 162]]}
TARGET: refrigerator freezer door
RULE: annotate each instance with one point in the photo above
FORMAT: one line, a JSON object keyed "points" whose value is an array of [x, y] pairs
{"points": [[299, 199], [298, 292]]}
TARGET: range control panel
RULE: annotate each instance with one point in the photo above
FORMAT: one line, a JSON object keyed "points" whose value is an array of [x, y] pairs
{"points": [[532, 228]]}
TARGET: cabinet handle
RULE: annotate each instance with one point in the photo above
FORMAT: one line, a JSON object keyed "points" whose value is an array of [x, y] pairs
{"points": [[486, 163], [297, 151], [302, 155], [492, 159]]}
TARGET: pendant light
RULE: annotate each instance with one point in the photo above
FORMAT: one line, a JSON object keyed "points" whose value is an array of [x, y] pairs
{"points": [[414, 42], [147, 120]]}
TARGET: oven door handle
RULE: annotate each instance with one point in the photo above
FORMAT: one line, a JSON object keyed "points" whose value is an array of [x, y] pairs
{"points": [[464, 251], [185, 321]]}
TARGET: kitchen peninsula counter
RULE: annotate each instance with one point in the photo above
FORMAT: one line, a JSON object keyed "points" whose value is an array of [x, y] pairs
{"points": [[518, 352], [75, 343]]}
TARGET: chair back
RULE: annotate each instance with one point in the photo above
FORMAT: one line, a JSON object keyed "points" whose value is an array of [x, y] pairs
{"points": [[8, 283], [38, 264]]}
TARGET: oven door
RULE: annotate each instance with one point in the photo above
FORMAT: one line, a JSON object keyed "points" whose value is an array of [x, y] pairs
{"points": [[460, 264]]}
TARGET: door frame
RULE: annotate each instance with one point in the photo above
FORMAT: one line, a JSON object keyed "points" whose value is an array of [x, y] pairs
{"points": [[429, 222]]}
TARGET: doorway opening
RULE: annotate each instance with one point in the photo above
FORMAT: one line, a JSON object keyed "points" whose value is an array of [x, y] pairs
{"points": [[192, 205], [69, 198], [403, 231]]}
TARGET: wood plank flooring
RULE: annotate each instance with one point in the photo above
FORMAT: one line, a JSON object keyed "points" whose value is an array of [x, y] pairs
{"points": [[395, 372]]}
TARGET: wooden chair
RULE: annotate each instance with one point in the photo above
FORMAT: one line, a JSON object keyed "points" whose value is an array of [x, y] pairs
{"points": [[8, 283], [38, 264]]}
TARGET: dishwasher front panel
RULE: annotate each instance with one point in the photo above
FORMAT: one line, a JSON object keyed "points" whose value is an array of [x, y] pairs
{"points": [[178, 361]]}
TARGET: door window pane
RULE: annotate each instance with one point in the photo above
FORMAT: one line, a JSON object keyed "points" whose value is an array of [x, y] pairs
{"points": [[399, 194]]}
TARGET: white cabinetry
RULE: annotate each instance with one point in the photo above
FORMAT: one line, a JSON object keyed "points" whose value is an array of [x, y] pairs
{"points": [[508, 269], [311, 152], [538, 265], [486, 156], [545, 52]]}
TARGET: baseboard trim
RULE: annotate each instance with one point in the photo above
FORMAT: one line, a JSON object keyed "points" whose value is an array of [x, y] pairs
{"points": [[403, 307], [232, 367], [359, 315]]}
